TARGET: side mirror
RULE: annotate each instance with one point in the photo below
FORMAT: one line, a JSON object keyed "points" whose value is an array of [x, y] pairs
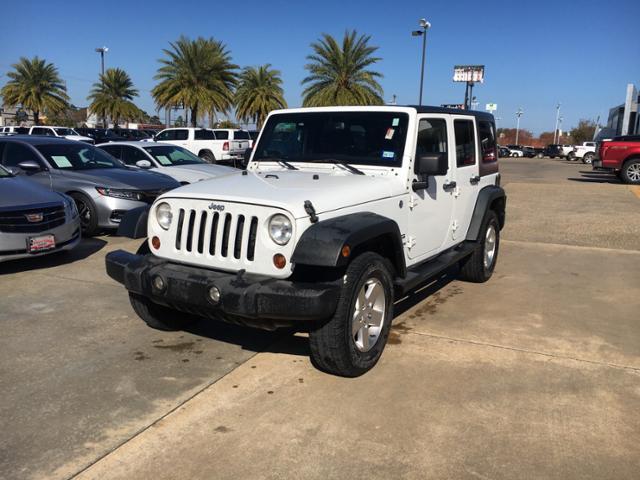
{"points": [[246, 159], [146, 164], [432, 164], [30, 166], [427, 165]]}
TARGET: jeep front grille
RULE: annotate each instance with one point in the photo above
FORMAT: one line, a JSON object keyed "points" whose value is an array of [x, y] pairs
{"points": [[216, 234]]}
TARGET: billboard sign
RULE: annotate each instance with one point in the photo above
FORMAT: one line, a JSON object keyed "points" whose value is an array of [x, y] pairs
{"points": [[468, 73], [491, 107], [458, 106]]}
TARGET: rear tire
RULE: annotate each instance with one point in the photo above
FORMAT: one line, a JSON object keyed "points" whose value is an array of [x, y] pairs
{"points": [[588, 158], [158, 316], [571, 156], [88, 214], [207, 157], [351, 342], [630, 172], [478, 267]]}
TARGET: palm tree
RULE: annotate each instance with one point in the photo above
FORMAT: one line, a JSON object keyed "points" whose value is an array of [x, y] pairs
{"points": [[259, 92], [339, 75], [36, 85], [197, 74], [112, 96]]}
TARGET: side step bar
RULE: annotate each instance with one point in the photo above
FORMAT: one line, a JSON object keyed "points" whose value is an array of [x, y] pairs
{"points": [[427, 270]]}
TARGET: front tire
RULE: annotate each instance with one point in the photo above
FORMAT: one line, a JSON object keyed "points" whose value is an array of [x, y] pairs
{"points": [[479, 266], [88, 214], [158, 316], [351, 342], [571, 156]]}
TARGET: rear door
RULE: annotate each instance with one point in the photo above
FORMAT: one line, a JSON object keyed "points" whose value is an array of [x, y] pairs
{"points": [[467, 175]]}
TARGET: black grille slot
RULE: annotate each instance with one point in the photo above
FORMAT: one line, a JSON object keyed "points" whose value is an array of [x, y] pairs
{"points": [[225, 235], [237, 247], [16, 221], [179, 231], [192, 219], [203, 224], [214, 232], [253, 230]]}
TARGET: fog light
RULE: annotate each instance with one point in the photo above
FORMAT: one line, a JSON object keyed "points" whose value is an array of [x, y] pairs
{"points": [[279, 260], [214, 294], [158, 282], [155, 242]]}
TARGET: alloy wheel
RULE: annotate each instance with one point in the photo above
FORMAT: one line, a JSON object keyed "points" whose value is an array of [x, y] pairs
{"points": [[368, 315], [490, 246]]}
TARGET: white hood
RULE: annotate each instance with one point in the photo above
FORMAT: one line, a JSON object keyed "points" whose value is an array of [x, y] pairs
{"points": [[289, 189], [196, 173], [78, 138]]}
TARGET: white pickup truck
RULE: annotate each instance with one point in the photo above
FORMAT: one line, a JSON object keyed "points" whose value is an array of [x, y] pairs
{"points": [[204, 143], [585, 152]]}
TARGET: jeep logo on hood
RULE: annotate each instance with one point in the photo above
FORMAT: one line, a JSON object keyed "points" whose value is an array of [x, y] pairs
{"points": [[216, 206]]}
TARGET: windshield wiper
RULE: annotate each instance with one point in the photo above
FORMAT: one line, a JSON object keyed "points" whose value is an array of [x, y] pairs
{"points": [[346, 165], [280, 161]]}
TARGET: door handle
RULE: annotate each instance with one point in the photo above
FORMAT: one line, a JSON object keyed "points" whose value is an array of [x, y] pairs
{"points": [[449, 185], [475, 179]]}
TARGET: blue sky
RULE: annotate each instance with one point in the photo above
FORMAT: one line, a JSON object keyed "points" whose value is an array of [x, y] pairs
{"points": [[536, 53]]}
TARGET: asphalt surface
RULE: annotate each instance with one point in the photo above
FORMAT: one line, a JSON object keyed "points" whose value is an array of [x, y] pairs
{"points": [[535, 374]]}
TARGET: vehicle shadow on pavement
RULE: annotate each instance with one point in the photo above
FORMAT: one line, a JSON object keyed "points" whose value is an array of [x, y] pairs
{"points": [[422, 292], [86, 248], [596, 177]]}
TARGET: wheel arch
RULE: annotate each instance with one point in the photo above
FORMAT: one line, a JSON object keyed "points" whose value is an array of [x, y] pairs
{"points": [[203, 151], [491, 197], [321, 245]]}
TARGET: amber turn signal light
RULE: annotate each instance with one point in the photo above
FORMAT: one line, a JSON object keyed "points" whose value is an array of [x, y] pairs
{"points": [[155, 242], [346, 251], [279, 260]]}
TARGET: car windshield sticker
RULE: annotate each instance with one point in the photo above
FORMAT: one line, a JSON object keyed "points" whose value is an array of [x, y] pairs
{"points": [[389, 135], [61, 161], [387, 154], [396, 122], [163, 160]]}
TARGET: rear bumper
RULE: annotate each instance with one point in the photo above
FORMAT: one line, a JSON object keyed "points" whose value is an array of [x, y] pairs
{"points": [[255, 300]]}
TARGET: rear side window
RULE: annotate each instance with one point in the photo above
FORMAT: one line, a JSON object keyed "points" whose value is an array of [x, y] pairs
{"points": [[130, 155], [204, 135], [241, 135], [222, 135], [465, 142], [488, 145], [181, 134], [113, 150]]}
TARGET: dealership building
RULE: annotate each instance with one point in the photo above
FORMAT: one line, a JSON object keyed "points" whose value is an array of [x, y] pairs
{"points": [[624, 118]]}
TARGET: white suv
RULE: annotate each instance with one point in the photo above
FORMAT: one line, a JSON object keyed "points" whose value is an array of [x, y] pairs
{"points": [[204, 143], [61, 132], [341, 210]]}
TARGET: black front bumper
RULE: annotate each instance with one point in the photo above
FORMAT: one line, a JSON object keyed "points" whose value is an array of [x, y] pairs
{"points": [[255, 300]]}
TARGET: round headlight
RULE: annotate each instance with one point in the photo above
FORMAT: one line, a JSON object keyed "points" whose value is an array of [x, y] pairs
{"points": [[164, 215], [280, 229]]}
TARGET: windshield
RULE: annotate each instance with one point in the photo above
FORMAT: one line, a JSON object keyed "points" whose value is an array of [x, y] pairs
{"points": [[4, 173], [69, 156], [169, 155], [65, 131], [363, 138]]}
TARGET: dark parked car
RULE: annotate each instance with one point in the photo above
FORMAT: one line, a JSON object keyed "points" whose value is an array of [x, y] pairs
{"points": [[103, 188], [553, 150], [131, 134], [101, 135], [529, 152], [504, 152]]}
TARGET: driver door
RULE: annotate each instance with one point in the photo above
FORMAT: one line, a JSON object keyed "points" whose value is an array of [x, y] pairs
{"points": [[431, 209]]}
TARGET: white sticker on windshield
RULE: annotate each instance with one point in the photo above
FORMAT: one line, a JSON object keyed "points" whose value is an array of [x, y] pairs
{"points": [[163, 160], [387, 154], [389, 135], [61, 161], [395, 122]]}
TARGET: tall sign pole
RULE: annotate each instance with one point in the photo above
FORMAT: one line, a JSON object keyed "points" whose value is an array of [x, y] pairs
{"points": [[555, 131], [518, 114], [469, 74]]}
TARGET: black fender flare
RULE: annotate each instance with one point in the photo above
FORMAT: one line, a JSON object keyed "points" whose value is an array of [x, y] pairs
{"points": [[321, 244], [134, 223], [488, 196]]}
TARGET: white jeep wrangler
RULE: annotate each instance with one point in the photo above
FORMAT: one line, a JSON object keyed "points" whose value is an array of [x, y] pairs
{"points": [[340, 211]]}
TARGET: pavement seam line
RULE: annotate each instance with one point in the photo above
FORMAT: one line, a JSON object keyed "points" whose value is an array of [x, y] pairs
{"points": [[581, 247], [524, 350], [156, 421]]}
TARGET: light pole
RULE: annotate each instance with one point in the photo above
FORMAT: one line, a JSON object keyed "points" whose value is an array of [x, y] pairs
{"points": [[555, 132], [102, 51], [417, 33], [518, 114]]}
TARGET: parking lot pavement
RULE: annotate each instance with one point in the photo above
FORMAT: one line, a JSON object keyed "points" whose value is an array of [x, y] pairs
{"points": [[535, 374]]}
